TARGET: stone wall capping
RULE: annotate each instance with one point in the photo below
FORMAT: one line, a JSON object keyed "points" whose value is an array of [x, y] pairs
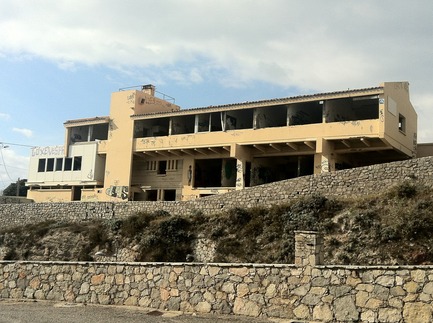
{"points": [[376, 267]]}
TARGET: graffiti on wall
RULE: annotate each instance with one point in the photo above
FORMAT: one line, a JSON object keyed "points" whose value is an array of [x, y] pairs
{"points": [[118, 192], [48, 151]]}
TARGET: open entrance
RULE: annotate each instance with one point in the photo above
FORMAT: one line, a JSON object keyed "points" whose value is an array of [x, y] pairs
{"points": [[219, 172], [76, 193], [273, 169]]}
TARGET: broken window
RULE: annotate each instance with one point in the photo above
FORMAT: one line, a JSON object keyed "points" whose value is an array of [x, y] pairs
{"points": [[203, 122], [305, 113], [151, 127], [89, 133], [239, 119], [182, 124], [352, 109], [274, 116]]}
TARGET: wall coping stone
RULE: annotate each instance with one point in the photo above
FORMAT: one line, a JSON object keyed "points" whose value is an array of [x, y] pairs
{"points": [[216, 264]]}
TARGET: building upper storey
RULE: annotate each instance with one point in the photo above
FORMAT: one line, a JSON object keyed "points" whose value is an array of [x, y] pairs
{"points": [[363, 119], [359, 119]]}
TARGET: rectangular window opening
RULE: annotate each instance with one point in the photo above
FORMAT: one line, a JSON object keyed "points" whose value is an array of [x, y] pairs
{"points": [[162, 167], [41, 165], [68, 163], [50, 164], [59, 164], [77, 163], [401, 123]]}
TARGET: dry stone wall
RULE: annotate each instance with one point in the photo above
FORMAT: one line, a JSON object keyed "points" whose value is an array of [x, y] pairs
{"points": [[305, 291], [345, 183]]}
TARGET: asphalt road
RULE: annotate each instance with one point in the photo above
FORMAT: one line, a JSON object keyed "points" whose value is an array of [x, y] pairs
{"points": [[45, 312]]}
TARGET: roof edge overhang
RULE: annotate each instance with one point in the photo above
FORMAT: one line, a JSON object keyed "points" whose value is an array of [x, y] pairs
{"points": [[264, 103], [86, 121]]}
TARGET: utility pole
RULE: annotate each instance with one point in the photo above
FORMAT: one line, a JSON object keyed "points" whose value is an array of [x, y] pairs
{"points": [[18, 187]]}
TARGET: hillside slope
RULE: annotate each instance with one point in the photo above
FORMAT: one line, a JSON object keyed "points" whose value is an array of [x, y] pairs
{"points": [[391, 228]]}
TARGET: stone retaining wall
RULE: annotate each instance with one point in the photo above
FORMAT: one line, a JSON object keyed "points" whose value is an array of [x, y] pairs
{"points": [[307, 291], [346, 183]]}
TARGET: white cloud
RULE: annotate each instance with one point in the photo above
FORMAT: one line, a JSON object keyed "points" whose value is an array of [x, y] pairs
{"points": [[311, 46], [12, 166], [26, 132], [322, 45], [4, 116]]}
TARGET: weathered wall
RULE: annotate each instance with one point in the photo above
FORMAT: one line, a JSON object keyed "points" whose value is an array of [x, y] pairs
{"points": [[14, 200], [304, 291], [356, 181]]}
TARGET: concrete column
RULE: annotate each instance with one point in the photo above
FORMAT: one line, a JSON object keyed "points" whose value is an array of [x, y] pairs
{"points": [[308, 248], [240, 177], [324, 159]]}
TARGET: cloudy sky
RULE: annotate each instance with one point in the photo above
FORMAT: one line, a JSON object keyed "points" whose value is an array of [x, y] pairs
{"points": [[61, 59]]}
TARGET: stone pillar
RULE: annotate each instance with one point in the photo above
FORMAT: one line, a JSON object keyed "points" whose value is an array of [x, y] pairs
{"points": [[308, 248]]}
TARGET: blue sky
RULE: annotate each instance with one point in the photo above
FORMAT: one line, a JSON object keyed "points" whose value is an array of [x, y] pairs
{"points": [[60, 60]]}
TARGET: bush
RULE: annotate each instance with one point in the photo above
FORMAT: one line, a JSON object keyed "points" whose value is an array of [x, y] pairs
{"points": [[134, 225], [405, 190]]}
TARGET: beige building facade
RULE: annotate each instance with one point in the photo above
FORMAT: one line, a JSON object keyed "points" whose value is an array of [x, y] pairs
{"points": [[150, 149]]}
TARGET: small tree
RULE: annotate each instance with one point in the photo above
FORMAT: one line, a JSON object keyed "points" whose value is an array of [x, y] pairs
{"points": [[11, 190]]}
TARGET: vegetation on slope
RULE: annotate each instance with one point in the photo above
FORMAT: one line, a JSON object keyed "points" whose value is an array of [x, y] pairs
{"points": [[390, 228]]}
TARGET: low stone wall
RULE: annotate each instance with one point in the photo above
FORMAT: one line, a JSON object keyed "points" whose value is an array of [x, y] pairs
{"points": [[345, 183], [14, 200], [325, 293]]}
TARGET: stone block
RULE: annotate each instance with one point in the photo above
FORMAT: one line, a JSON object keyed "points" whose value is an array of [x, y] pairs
{"points": [[417, 312], [245, 307]]}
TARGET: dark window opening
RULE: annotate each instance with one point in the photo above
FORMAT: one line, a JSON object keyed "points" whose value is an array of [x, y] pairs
{"points": [[247, 174], [215, 121], [162, 167], [41, 165], [76, 193], [401, 123], [182, 124], [305, 113], [352, 109], [59, 164], [151, 127], [272, 169], [239, 119], [151, 195], [275, 116], [50, 164], [100, 132], [169, 195], [77, 163], [89, 133], [215, 172], [203, 122], [68, 163]]}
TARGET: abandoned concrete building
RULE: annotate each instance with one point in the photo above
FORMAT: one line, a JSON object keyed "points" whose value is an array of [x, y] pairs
{"points": [[150, 149]]}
